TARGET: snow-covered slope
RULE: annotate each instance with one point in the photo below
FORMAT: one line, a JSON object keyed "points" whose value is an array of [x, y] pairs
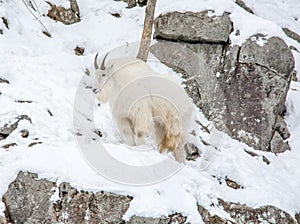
{"points": [[47, 72]]}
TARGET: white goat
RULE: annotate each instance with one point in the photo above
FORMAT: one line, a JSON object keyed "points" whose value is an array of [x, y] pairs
{"points": [[151, 115]]}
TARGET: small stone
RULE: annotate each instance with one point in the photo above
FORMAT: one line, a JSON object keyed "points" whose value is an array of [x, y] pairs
{"points": [[265, 159], [244, 6], [5, 22], [117, 15], [294, 76], [25, 133], [281, 127], [4, 81], [9, 145], [7, 129], [23, 101], [253, 154], [99, 133], [291, 34], [79, 51], [192, 151], [277, 145], [142, 2], [232, 184], [49, 112], [46, 33], [34, 143]]}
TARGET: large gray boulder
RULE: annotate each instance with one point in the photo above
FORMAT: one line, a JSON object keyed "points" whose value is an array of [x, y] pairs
{"points": [[28, 200], [32, 200], [242, 89], [193, 27]]}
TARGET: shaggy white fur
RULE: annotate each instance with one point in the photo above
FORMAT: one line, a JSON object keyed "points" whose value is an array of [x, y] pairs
{"points": [[150, 115]]}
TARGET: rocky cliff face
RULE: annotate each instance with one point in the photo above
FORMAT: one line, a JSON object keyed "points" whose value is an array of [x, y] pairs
{"points": [[242, 89], [33, 200]]}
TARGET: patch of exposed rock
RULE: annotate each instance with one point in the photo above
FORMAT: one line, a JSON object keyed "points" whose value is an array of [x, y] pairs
{"points": [[8, 128], [33, 200], [65, 15], [266, 214], [193, 27], [242, 89], [292, 34]]}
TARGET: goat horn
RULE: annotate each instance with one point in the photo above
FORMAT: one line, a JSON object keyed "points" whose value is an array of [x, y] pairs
{"points": [[95, 62], [102, 67]]}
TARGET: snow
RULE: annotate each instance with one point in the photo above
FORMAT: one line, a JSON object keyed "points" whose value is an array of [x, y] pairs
{"points": [[47, 72]]}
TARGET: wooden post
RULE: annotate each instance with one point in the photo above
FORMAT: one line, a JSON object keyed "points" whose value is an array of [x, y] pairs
{"points": [[147, 31]]}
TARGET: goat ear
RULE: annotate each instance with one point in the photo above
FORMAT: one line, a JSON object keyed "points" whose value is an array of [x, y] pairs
{"points": [[102, 96]]}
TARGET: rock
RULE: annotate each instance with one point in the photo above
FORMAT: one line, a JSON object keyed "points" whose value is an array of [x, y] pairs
{"points": [[116, 14], [231, 183], [27, 200], [6, 146], [144, 220], [241, 89], [211, 219], [4, 81], [5, 22], [241, 214], [291, 34], [33, 200], [244, 6], [172, 219], [24, 133], [66, 16], [281, 127], [34, 143], [7, 129], [142, 2], [130, 3], [30, 200], [253, 154], [82, 207], [254, 92], [192, 151], [266, 214], [274, 55], [177, 219], [294, 76], [193, 27], [265, 159], [49, 112], [277, 144], [23, 101], [79, 51]]}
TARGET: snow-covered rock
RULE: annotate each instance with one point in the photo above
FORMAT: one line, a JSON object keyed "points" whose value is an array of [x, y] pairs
{"points": [[241, 89]]}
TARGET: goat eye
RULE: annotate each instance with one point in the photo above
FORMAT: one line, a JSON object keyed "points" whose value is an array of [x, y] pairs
{"points": [[103, 75]]}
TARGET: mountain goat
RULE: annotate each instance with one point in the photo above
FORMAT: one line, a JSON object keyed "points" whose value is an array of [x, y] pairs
{"points": [[150, 115]]}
